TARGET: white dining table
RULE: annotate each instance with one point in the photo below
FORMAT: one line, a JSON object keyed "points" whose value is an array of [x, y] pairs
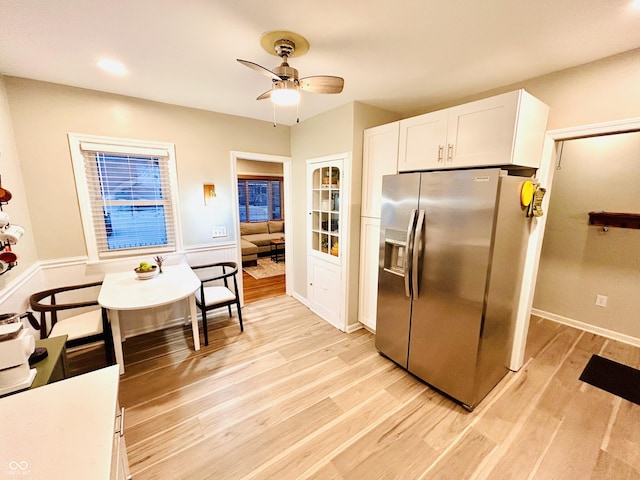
{"points": [[125, 291]]}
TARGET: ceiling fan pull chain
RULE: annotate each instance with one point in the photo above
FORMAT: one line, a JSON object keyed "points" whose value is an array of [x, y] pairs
{"points": [[274, 116], [297, 112]]}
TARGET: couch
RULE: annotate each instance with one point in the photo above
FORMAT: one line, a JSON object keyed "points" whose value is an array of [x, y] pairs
{"points": [[255, 239]]}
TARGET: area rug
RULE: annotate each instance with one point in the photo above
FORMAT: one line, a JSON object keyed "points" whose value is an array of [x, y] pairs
{"points": [[265, 268], [613, 377]]}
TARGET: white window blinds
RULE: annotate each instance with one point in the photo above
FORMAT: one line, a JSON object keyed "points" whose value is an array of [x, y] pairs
{"points": [[127, 198]]}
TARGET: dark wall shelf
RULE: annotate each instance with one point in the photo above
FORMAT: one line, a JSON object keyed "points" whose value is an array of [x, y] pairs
{"points": [[612, 219]]}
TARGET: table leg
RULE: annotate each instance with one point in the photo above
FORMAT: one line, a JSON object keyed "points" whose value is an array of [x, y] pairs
{"points": [[114, 319], [186, 313], [194, 322]]}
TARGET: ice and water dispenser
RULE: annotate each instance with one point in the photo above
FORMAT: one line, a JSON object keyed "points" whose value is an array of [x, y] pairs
{"points": [[395, 248]]}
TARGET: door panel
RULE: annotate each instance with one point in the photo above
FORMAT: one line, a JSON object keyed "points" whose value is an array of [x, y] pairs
{"points": [[325, 298], [399, 199], [447, 314], [369, 252], [422, 141], [482, 131]]}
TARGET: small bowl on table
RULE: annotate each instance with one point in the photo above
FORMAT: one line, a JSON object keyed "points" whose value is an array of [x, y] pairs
{"points": [[146, 274]]}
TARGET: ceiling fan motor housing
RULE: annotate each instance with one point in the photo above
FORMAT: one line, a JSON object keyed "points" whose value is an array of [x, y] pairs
{"points": [[285, 72]]}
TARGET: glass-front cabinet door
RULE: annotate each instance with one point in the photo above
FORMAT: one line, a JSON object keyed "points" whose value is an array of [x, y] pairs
{"points": [[327, 238], [325, 209]]}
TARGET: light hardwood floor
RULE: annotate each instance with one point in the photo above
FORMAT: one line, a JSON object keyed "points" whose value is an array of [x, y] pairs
{"points": [[293, 398]]}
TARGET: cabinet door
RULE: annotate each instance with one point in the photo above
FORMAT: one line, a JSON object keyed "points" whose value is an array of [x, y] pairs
{"points": [[324, 292], [325, 210], [327, 239], [369, 259], [481, 133], [119, 458], [422, 144], [380, 157]]}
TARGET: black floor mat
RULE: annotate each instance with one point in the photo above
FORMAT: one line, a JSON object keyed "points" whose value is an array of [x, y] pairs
{"points": [[614, 377]]}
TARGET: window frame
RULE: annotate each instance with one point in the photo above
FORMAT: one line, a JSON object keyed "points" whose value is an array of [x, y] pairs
{"points": [[268, 178], [163, 150]]}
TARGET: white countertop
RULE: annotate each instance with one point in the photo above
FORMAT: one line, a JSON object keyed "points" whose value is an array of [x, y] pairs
{"points": [[64, 430]]}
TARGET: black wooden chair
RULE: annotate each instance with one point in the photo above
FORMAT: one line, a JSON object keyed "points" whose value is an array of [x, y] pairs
{"points": [[83, 326], [215, 292]]}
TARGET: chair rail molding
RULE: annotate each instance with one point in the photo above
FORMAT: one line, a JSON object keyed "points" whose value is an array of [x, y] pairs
{"points": [[10, 292], [14, 297]]}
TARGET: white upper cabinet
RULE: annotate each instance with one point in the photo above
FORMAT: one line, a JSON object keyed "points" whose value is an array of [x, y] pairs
{"points": [[506, 129], [423, 140], [380, 157]]}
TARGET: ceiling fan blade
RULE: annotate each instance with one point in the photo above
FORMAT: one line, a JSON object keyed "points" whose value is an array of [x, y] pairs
{"points": [[259, 69], [322, 84], [264, 95]]}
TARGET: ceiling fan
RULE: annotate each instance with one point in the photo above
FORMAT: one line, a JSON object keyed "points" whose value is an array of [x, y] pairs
{"points": [[286, 86]]}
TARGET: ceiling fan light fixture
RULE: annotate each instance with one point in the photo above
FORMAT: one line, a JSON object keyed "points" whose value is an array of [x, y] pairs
{"points": [[286, 86], [285, 93]]}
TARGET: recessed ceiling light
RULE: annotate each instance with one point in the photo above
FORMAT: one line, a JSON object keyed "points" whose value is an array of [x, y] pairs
{"points": [[112, 66]]}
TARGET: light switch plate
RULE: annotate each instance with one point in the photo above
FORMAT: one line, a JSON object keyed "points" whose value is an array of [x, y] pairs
{"points": [[219, 231]]}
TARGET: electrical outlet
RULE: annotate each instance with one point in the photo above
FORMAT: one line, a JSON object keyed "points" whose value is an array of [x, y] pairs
{"points": [[219, 231], [601, 300]]}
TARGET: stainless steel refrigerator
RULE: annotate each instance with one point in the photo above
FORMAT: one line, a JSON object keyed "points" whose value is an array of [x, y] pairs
{"points": [[451, 260]]}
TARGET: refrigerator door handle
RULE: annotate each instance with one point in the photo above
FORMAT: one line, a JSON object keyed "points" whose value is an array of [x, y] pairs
{"points": [[416, 257], [409, 257]]}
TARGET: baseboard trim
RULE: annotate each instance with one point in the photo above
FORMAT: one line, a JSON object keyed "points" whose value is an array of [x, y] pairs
{"points": [[302, 300], [354, 327], [603, 332]]}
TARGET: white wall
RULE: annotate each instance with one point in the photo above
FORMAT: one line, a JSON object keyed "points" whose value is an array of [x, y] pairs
{"points": [[337, 131], [35, 118], [255, 167], [325, 134], [42, 115], [597, 92], [11, 179]]}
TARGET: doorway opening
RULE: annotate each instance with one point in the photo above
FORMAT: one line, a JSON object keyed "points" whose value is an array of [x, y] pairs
{"points": [[545, 176], [583, 264], [261, 203]]}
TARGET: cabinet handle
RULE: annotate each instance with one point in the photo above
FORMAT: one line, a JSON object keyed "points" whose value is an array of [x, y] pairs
{"points": [[449, 152], [120, 429], [440, 152]]}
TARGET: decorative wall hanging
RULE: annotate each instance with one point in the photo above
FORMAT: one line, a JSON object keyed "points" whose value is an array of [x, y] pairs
{"points": [[9, 234]]}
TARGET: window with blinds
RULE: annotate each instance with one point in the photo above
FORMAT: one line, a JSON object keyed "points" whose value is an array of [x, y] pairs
{"points": [[126, 194], [260, 198]]}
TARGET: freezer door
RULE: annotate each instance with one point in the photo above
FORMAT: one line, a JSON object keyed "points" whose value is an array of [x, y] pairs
{"points": [[398, 215], [447, 314]]}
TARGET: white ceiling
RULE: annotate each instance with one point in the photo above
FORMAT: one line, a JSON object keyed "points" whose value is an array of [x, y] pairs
{"points": [[400, 55]]}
